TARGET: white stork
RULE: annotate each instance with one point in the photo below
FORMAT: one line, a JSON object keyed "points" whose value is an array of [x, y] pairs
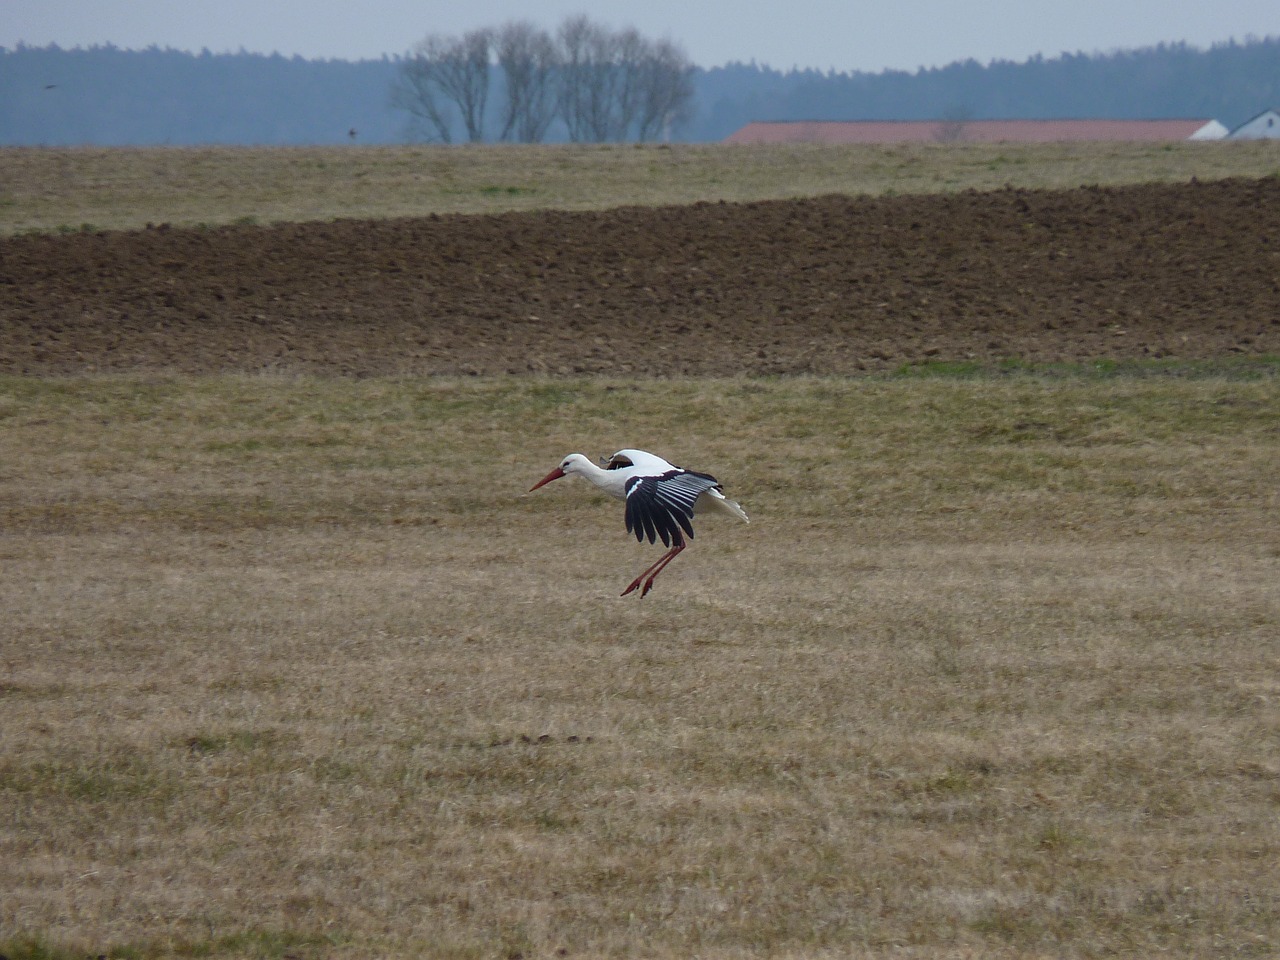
{"points": [[661, 499]]}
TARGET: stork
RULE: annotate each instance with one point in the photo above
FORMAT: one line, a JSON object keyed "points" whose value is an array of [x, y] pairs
{"points": [[661, 499]]}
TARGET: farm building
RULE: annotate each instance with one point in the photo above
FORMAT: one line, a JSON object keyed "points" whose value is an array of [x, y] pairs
{"points": [[974, 131], [1265, 126]]}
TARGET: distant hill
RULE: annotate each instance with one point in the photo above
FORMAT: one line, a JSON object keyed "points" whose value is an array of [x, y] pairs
{"points": [[108, 96]]}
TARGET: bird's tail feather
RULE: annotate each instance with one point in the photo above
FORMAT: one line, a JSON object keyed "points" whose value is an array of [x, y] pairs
{"points": [[734, 507], [714, 498]]}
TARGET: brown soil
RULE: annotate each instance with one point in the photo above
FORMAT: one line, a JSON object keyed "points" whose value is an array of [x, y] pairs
{"points": [[830, 285]]}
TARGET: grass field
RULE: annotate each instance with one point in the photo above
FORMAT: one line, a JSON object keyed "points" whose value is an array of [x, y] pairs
{"points": [[292, 668], [73, 189]]}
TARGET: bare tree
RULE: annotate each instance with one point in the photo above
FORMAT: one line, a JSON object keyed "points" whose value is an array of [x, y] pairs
{"points": [[620, 85], [630, 58], [444, 71], [585, 80], [605, 85], [666, 90], [464, 76], [417, 91], [597, 90], [528, 59]]}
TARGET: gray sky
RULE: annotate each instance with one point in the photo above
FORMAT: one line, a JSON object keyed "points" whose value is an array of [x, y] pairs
{"points": [[899, 34]]}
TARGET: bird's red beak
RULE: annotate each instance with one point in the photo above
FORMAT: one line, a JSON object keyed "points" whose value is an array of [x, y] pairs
{"points": [[555, 474]]}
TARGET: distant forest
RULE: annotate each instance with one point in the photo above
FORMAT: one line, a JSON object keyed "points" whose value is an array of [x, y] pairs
{"points": [[108, 96]]}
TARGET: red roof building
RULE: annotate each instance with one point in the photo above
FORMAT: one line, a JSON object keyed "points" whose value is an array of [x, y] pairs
{"points": [[973, 131]]}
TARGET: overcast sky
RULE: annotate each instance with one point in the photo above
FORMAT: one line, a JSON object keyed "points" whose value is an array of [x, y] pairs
{"points": [[868, 36]]}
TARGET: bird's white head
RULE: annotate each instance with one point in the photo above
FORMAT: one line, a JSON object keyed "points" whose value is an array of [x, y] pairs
{"points": [[573, 463]]}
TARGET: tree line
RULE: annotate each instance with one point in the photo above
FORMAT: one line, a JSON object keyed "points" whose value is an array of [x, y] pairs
{"points": [[599, 84], [108, 96], [1229, 82]]}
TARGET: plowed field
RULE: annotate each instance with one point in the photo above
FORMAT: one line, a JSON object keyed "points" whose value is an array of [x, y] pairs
{"points": [[836, 285]]}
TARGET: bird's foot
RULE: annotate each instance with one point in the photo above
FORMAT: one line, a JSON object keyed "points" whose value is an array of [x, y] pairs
{"points": [[648, 585]]}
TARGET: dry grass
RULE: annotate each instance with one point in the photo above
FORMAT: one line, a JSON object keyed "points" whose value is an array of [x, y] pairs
{"points": [[292, 668], [71, 189]]}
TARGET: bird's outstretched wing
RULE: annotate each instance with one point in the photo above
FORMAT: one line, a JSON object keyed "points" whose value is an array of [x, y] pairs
{"points": [[661, 506]]}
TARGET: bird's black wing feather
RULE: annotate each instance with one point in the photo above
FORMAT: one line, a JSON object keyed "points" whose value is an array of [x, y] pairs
{"points": [[662, 506]]}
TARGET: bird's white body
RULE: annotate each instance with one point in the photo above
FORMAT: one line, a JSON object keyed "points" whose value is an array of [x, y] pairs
{"points": [[613, 480], [661, 498]]}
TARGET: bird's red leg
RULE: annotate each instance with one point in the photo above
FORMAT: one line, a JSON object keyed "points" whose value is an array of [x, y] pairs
{"points": [[648, 584], [647, 570], [652, 572]]}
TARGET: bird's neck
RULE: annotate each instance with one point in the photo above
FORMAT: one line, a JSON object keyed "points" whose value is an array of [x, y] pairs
{"points": [[612, 482]]}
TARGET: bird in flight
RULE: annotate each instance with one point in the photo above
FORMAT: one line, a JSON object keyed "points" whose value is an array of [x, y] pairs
{"points": [[661, 500]]}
